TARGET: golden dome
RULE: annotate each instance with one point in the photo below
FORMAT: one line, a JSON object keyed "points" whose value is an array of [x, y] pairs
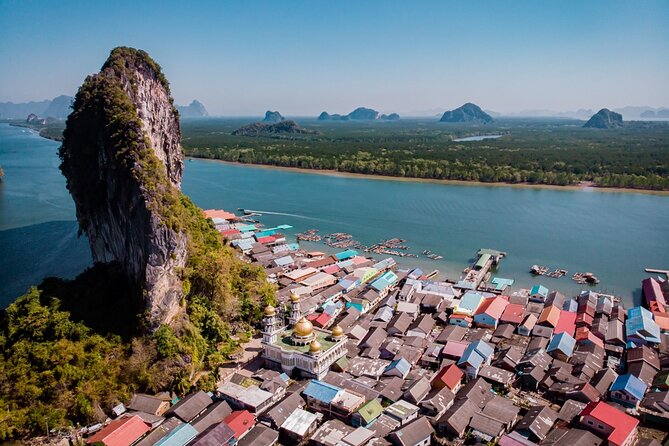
{"points": [[303, 327], [337, 331], [269, 310], [315, 346], [294, 297]]}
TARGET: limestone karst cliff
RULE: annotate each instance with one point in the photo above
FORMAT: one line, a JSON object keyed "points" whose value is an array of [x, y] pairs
{"points": [[123, 162]]}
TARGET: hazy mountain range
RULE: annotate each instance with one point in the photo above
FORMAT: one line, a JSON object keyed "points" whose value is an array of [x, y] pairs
{"points": [[628, 112], [61, 106]]}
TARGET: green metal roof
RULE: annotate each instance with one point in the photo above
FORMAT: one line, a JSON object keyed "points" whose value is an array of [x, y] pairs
{"points": [[370, 411], [322, 337], [482, 260]]}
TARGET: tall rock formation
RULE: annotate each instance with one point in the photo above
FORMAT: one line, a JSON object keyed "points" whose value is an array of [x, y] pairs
{"points": [[467, 113], [195, 109], [122, 158], [604, 119], [273, 116]]}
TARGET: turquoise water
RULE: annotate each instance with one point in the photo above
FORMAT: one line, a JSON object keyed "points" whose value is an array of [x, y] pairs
{"points": [[615, 235], [477, 138]]}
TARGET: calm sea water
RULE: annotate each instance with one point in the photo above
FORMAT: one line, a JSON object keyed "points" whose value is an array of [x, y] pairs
{"points": [[477, 138], [614, 235]]}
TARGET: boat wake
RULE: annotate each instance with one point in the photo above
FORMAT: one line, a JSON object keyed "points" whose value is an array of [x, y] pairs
{"points": [[285, 214]]}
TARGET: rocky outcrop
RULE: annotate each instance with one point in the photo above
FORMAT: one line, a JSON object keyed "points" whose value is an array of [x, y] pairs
{"points": [[273, 116], [390, 117], [195, 109], [469, 112], [123, 162], [280, 128], [359, 114], [604, 119]]}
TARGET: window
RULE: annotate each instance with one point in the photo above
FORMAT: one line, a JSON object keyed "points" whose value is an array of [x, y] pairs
{"points": [[590, 422], [600, 426]]}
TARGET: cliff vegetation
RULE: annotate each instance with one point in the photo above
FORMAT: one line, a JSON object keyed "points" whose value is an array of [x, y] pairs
{"points": [[71, 350]]}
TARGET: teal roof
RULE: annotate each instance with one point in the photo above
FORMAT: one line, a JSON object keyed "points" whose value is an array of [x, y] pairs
{"points": [[346, 254], [501, 283], [386, 280], [180, 436], [539, 289], [470, 301]]}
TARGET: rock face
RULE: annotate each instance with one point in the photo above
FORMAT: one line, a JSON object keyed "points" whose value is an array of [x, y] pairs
{"points": [[604, 119], [273, 116], [467, 113], [193, 110], [122, 158], [280, 128]]}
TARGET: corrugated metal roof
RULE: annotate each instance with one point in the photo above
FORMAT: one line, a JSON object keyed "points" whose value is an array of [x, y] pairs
{"points": [[179, 436], [321, 391], [630, 384], [299, 422]]}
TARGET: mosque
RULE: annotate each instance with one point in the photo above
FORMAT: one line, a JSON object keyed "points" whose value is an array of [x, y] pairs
{"points": [[302, 349]]}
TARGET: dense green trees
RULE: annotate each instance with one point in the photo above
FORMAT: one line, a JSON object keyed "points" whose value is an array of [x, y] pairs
{"points": [[536, 152]]}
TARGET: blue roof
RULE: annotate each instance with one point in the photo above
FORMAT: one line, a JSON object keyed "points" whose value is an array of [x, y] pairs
{"points": [[386, 280], [630, 384], [355, 305], [265, 233], [470, 301], [321, 391], [640, 324], [415, 273], [539, 289], [180, 436], [570, 305], [346, 254], [563, 342], [401, 365], [476, 353]]}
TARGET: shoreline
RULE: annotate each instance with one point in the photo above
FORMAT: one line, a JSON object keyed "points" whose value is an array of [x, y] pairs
{"points": [[583, 187]]}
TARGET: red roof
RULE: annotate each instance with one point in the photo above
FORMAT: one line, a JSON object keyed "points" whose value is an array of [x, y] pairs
{"points": [[121, 432], [240, 421], [454, 348], [264, 240], [331, 269], [219, 213], [493, 307], [583, 334], [623, 425], [652, 291], [322, 319], [584, 319], [566, 323], [513, 313], [230, 232], [450, 376], [661, 319]]}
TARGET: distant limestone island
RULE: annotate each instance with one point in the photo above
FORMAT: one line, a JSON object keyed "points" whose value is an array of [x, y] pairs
{"points": [[360, 114], [469, 113], [57, 108], [605, 119], [282, 128], [193, 110], [273, 116]]}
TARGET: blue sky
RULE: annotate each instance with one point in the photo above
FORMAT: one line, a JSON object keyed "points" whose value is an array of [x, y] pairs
{"points": [[303, 57]]}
